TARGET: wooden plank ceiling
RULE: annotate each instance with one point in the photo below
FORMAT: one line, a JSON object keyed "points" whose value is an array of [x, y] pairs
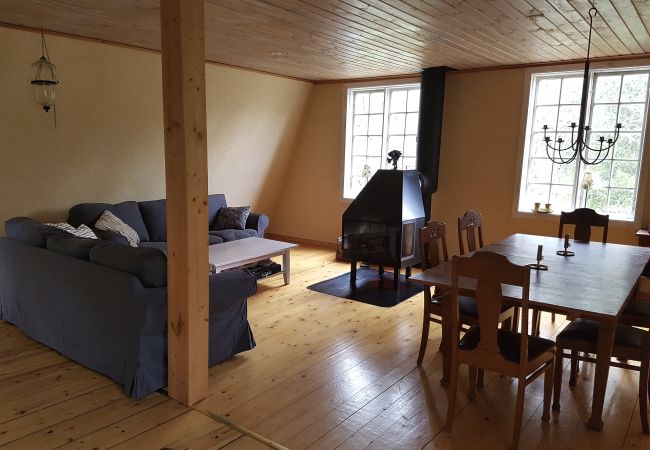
{"points": [[343, 39]]}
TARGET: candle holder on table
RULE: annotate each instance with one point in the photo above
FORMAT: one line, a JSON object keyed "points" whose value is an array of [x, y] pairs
{"points": [[540, 257], [566, 251]]}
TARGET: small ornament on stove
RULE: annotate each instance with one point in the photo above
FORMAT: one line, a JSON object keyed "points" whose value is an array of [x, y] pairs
{"points": [[393, 157]]}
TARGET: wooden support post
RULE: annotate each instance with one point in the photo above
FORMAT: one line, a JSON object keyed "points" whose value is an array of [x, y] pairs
{"points": [[183, 75]]}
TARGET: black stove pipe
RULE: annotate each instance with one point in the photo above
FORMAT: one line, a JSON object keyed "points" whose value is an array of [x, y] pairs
{"points": [[432, 95]]}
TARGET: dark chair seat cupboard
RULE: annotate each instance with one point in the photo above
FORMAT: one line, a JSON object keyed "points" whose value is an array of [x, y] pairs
{"points": [[107, 308]]}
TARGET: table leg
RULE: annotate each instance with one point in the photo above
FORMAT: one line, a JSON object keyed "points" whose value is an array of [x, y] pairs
{"points": [[603, 356], [286, 267], [445, 341]]}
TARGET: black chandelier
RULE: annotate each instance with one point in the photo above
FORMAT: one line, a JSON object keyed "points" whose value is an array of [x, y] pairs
{"points": [[578, 146]]}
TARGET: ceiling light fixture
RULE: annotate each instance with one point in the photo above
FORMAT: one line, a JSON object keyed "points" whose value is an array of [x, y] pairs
{"points": [[579, 133], [45, 81]]}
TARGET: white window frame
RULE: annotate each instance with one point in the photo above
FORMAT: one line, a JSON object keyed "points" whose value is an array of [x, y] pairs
{"points": [[525, 135], [348, 123]]}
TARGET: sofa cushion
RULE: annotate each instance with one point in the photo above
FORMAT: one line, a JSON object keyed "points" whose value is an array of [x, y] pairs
{"points": [[214, 239], [149, 265], [111, 236], [215, 203], [76, 247], [154, 216], [233, 235], [28, 231], [232, 218], [128, 212], [110, 222], [162, 246]]}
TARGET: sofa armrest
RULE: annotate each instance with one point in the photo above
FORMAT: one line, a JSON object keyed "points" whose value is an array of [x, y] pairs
{"points": [[258, 222], [230, 287]]}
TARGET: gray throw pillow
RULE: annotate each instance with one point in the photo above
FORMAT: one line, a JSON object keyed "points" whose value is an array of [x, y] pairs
{"points": [[232, 218]]}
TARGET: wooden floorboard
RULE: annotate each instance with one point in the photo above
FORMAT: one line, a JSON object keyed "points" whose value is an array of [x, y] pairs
{"points": [[326, 373]]}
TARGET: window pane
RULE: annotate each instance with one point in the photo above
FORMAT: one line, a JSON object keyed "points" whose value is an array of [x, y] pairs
{"points": [[374, 145], [571, 91], [631, 116], [396, 143], [398, 101], [603, 118], [621, 203], [374, 164], [358, 163], [607, 88], [409, 163], [561, 198], [564, 173], [360, 124], [361, 101], [596, 199], [536, 193], [396, 124], [359, 145], [635, 87], [568, 115], [540, 171], [548, 92], [377, 102], [545, 115], [376, 124], [413, 103], [628, 146], [410, 146], [600, 174], [538, 144], [411, 123], [624, 174]]}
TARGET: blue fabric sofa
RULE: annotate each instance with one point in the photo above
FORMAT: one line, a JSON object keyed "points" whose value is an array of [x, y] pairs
{"points": [[149, 220], [104, 305]]}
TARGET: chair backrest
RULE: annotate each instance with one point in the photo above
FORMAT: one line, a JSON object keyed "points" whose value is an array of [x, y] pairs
{"points": [[433, 244], [470, 225], [490, 270], [583, 219]]}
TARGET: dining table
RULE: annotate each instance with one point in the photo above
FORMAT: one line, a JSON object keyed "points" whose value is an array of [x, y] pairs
{"points": [[596, 283]]}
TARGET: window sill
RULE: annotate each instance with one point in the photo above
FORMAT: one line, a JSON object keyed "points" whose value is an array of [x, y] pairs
{"points": [[555, 217]]}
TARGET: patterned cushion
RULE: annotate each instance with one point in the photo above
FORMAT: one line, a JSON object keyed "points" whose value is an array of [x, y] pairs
{"points": [[82, 231], [232, 218], [109, 222]]}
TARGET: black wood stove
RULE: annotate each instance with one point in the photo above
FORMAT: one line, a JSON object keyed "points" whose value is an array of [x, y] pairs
{"points": [[381, 225]]}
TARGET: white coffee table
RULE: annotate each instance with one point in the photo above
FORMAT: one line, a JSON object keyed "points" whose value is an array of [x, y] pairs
{"points": [[244, 251]]}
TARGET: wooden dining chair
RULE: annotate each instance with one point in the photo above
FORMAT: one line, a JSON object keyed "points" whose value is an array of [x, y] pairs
{"points": [[471, 226], [433, 251], [583, 219], [486, 346], [580, 337]]}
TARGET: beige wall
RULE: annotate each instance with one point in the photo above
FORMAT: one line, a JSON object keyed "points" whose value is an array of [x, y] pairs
{"points": [[478, 163], [108, 145]]}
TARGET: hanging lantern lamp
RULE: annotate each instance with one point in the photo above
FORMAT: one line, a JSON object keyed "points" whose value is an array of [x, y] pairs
{"points": [[45, 81]]}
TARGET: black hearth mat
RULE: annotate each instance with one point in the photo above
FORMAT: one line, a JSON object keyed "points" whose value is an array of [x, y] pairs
{"points": [[370, 288]]}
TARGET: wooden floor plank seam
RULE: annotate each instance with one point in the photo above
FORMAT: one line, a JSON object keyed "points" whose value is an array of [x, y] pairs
{"points": [[243, 430]]}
